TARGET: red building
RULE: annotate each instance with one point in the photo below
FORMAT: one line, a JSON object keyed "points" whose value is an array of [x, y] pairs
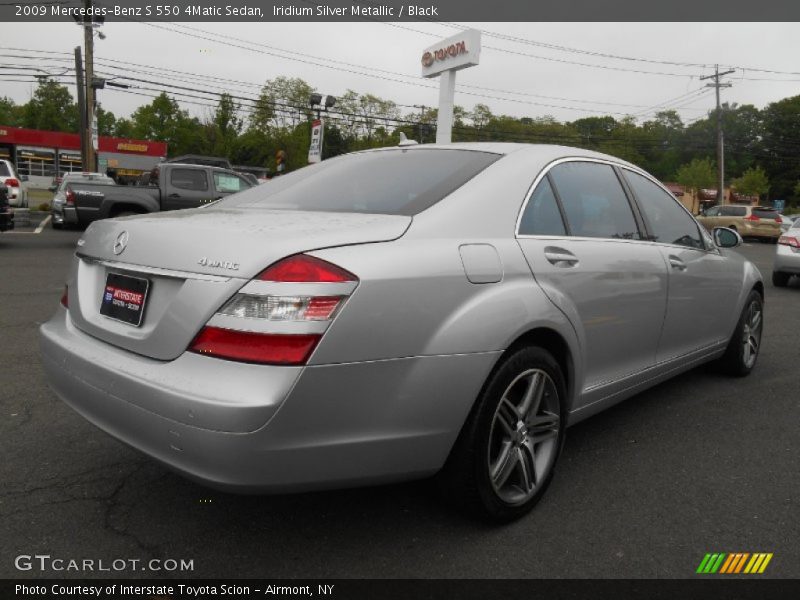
{"points": [[41, 155]]}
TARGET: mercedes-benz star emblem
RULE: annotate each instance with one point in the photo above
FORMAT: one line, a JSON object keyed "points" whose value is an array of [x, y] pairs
{"points": [[121, 242]]}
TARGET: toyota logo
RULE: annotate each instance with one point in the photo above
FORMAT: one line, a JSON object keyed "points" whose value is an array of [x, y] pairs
{"points": [[121, 242], [427, 59]]}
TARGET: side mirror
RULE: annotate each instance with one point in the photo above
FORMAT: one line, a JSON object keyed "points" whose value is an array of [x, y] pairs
{"points": [[53, 188], [726, 238]]}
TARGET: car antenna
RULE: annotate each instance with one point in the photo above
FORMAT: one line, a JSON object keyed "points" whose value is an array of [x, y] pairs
{"points": [[404, 141]]}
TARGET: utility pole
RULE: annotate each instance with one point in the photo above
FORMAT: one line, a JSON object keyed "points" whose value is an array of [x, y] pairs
{"points": [[81, 105], [421, 108], [88, 40], [720, 146]]}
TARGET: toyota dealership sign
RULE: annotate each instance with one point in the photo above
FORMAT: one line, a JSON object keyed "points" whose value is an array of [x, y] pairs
{"points": [[452, 54]]}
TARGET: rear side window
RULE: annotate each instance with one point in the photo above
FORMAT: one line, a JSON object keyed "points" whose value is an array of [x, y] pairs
{"points": [[226, 182], [594, 201], [391, 182], [4, 170], [667, 221], [733, 211], [541, 216], [189, 179], [765, 213]]}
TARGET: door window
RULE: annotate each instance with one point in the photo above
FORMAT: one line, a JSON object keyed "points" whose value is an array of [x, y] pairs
{"points": [[189, 179], [542, 216], [594, 201], [668, 222]]}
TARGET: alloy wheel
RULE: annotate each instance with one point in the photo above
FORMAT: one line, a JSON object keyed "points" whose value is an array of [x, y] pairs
{"points": [[523, 441]]}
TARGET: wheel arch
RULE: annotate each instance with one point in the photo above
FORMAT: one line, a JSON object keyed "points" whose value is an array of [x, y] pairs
{"points": [[553, 342]]}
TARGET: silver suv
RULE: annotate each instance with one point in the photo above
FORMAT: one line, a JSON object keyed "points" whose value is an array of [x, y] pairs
{"points": [[17, 194]]}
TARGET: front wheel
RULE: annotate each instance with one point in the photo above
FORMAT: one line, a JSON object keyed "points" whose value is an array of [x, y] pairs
{"points": [[505, 455], [745, 344]]}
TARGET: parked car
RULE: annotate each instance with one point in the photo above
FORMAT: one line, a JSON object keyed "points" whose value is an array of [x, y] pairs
{"points": [[786, 223], [6, 212], [396, 313], [787, 256], [59, 202], [17, 194], [172, 186], [760, 222]]}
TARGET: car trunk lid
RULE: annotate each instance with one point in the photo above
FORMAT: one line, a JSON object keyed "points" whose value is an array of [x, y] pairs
{"points": [[194, 260]]}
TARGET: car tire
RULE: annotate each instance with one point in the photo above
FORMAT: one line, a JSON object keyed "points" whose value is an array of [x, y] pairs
{"points": [[780, 279], [55, 225], [745, 343], [505, 455]]}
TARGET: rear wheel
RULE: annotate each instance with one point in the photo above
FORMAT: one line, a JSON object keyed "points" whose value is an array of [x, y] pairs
{"points": [[745, 344], [780, 279], [505, 456]]}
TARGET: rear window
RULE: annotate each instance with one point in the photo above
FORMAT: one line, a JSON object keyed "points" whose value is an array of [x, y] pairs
{"points": [[765, 213], [391, 182]]}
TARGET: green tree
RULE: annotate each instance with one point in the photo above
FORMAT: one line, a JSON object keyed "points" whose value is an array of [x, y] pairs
{"points": [[225, 127], [106, 122], [753, 182], [781, 134], [164, 120], [699, 173], [10, 113], [51, 108]]}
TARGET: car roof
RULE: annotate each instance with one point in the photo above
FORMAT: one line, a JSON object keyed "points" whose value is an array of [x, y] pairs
{"points": [[538, 152]]}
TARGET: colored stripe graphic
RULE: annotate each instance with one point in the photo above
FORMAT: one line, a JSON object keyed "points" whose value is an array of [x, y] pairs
{"points": [[734, 563]]}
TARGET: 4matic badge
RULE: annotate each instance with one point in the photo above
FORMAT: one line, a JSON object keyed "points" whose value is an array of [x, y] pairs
{"points": [[218, 264]]}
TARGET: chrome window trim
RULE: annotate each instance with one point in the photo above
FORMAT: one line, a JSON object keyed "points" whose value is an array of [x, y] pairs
{"points": [[679, 203], [545, 170]]}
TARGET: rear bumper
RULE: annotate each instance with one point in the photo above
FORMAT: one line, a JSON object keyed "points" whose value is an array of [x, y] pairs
{"points": [[787, 260], [64, 215], [759, 231], [285, 429]]}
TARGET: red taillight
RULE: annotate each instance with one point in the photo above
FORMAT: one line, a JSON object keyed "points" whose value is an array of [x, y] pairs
{"points": [[752, 218], [786, 240], [70, 197], [248, 346], [778, 220], [281, 324], [11, 182], [65, 297], [305, 269]]}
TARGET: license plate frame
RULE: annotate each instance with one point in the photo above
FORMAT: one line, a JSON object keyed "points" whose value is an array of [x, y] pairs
{"points": [[124, 298]]}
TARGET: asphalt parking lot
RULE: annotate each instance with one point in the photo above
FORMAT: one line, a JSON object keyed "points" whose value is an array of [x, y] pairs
{"points": [[702, 463]]}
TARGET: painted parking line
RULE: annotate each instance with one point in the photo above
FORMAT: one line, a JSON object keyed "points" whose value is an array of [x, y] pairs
{"points": [[43, 224], [39, 229]]}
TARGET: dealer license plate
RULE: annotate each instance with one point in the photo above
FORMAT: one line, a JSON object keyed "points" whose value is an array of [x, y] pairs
{"points": [[124, 298]]}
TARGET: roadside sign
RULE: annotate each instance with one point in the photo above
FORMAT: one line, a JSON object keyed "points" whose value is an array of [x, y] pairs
{"points": [[317, 132]]}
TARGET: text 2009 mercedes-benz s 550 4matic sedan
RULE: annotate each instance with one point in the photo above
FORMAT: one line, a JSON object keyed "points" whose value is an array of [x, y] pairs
{"points": [[394, 314]]}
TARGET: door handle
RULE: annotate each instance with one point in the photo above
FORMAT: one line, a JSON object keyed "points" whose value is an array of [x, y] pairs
{"points": [[677, 263], [174, 195], [560, 257]]}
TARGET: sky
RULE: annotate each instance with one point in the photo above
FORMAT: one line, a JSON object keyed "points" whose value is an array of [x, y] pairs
{"points": [[518, 74]]}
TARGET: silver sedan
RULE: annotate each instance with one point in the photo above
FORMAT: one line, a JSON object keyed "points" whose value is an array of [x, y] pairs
{"points": [[395, 314], [787, 256]]}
